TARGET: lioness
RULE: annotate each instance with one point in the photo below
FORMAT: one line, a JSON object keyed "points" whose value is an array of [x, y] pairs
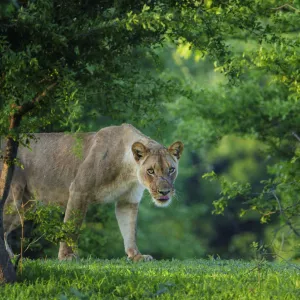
{"points": [[118, 163]]}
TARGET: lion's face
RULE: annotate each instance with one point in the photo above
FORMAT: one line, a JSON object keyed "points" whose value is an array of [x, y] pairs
{"points": [[157, 169]]}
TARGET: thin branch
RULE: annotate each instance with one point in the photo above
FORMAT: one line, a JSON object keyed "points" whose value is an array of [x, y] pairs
{"points": [[296, 135], [288, 222], [28, 202], [33, 242], [286, 5], [286, 261], [22, 110], [292, 206]]}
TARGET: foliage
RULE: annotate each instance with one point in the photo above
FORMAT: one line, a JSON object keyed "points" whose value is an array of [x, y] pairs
{"points": [[259, 99], [48, 219], [99, 58], [190, 279], [47, 227], [82, 51], [96, 57]]}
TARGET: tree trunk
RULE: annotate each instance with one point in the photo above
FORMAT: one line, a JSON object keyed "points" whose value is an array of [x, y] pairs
{"points": [[7, 270]]}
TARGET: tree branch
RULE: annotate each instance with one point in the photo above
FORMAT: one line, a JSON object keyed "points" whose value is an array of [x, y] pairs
{"points": [[23, 109], [296, 135], [35, 241], [288, 222], [286, 5]]}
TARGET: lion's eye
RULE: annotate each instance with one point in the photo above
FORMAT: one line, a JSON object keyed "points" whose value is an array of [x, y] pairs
{"points": [[171, 170], [150, 171]]}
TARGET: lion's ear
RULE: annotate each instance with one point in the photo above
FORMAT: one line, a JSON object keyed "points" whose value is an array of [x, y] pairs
{"points": [[176, 149], [139, 151]]}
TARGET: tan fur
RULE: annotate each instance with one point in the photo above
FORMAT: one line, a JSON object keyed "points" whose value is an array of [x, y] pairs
{"points": [[113, 166]]}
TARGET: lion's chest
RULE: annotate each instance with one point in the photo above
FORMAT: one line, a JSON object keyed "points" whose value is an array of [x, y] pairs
{"points": [[115, 191]]}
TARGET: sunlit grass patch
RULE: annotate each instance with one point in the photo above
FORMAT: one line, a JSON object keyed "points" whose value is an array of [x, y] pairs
{"points": [[120, 279]]}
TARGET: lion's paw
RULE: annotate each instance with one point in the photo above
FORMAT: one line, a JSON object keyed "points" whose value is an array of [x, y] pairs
{"points": [[147, 257], [140, 257], [69, 257], [134, 255]]}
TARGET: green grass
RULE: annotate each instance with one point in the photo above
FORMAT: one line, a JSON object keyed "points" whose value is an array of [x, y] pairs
{"points": [[120, 279]]}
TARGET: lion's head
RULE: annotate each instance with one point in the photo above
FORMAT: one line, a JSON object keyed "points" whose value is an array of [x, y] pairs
{"points": [[157, 169]]}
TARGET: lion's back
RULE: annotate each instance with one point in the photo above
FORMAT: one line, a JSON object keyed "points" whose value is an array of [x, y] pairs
{"points": [[52, 162]]}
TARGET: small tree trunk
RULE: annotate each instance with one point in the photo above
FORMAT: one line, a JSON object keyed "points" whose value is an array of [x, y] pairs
{"points": [[7, 175], [7, 270]]}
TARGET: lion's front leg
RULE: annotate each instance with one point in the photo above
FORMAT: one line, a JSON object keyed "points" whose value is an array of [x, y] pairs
{"points": [[126, 214]]}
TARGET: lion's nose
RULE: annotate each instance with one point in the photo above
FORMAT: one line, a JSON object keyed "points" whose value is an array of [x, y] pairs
{"points": [[164, 192]]}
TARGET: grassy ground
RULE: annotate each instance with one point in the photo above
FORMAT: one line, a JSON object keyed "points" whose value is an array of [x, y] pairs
{"points": [[120, 279]]}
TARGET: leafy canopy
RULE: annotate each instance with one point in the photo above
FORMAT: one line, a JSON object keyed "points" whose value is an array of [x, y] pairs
{"points": [[260, 100]]}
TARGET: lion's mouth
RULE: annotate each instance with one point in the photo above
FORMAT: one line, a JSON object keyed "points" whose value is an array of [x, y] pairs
{"points": [[164, 198], [162, 201]]}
